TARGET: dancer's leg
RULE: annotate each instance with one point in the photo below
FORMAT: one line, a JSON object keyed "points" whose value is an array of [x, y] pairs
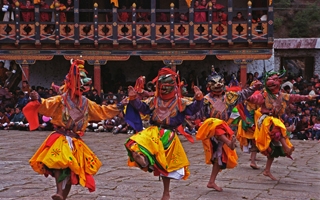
{"points": [[66, 190], [266, 171], [166, 188], [285, 147], [213, 176], [230, 143], [253, 164], [59, 194]]}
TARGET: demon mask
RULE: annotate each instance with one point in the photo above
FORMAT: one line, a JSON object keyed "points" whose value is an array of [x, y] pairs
{"points": [[215, 84]]}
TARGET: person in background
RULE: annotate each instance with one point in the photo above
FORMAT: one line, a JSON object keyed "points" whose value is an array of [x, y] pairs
{"points": [[28, 13]]}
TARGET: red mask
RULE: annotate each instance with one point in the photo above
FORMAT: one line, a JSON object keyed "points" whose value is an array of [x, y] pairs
{"points": [[273, 83]]}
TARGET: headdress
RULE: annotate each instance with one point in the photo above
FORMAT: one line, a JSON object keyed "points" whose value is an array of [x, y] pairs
{"points": [[76, 81], [139, 86]]}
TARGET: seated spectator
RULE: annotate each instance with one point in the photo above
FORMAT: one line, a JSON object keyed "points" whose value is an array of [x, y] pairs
{"points": [[162, 17], [7, 12], [122, 15], [239, 17], [302, 130], [199, 16], [183, 18], [9, 111], [111, 98], [316, 129], [17, 121], [4, 120], [95, 97], [22, 99], [3, 73], [221, 17], [28, 15], [70, 12], [142, 16], [26, 87], [61, 7], [44, 16]]}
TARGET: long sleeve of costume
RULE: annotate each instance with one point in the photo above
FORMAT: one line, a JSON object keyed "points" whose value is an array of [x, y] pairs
{"points": [[194, 107], [296, 98], [98, 113], [234, 98], [140, 106], [256, 99]]}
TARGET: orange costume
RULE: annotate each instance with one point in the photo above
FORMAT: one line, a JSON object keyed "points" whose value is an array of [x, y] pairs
{"points": [[64, 149]]}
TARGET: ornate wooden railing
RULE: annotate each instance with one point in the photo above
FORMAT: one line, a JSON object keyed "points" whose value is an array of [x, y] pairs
{"points": [[191, 34]]}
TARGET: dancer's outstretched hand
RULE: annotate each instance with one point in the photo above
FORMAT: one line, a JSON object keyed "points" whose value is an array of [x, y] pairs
{"points": [[124, 101], [197, 93], [132, 94], [257, 85], [313, 97]]}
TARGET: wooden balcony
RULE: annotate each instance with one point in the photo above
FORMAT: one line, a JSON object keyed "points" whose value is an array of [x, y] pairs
{"points": [[134, 35]]}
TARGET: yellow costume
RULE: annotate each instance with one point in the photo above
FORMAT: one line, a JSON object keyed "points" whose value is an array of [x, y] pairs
{"points": [[162, 148], [64, 149], [213, 127], [262, 131]]}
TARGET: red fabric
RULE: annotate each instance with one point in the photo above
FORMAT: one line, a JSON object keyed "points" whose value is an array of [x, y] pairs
{"points": [[30, 111], [53, 137], [27, 16], [157, 171], [189, 137], [223, 129], [139, 86], [74, 178], [200, 16], [90, 183]]}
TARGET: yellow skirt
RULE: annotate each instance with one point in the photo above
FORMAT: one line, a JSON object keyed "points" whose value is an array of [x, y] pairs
{"points": [[55, 153], [261, 134], [212, 127], [170, 159]]}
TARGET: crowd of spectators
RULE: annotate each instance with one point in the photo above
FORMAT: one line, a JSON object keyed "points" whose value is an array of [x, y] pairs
{"points": [[301, 119]]}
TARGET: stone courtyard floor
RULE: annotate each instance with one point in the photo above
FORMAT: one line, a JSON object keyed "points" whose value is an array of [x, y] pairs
{"points": [[298, 178]]}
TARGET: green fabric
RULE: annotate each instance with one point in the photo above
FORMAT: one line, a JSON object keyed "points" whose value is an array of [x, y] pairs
{"points": [[165, 139], [64, 174], [276, 151]]}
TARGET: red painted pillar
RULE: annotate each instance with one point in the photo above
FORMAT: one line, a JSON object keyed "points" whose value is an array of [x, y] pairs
{"points": [[97, 78], [243, 75], [25, 73]]}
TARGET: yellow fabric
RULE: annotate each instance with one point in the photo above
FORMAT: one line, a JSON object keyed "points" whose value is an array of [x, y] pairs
{"points": [[261, 135], [54, 108], [116, 3], [59, 156], [243, 135], [36, 1], [171, 159], [205, 132]]}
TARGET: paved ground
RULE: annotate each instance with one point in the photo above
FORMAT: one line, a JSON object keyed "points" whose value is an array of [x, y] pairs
{"points": [[298, 178]]}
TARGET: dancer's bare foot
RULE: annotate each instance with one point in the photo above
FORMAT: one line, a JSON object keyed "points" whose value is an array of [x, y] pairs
{"points": [[288, 150], [256, 159], [214, 186], [140, 159], [57, 197], [165, 197], [267, 173], [232, 144], [254, 166]]}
